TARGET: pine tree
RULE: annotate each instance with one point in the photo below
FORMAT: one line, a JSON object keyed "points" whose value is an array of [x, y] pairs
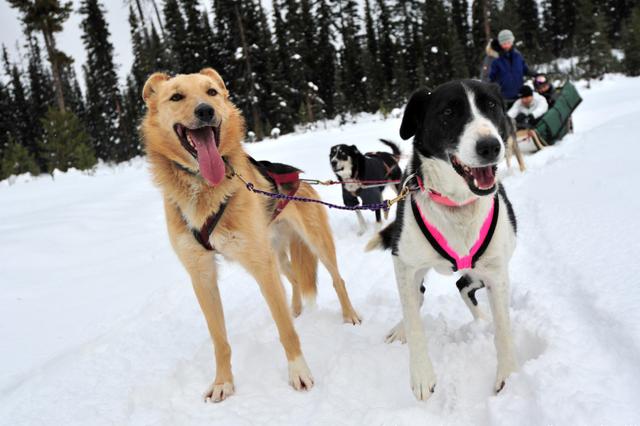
{"points": [[456, 58], [529, 29], [326, 59], [73, 97], [22, 131], [16, 159], [147, 58], [156, 52], [176, 40], [631, 44], [387, 52], [508, 17], [6, 121], [210, 52], [409, 71], [352, 76], [41, 95], [618, 14], [460, 21], [131, 114], [280, 99], [436, 43], [378, 87], [103, 96], [47, 17], [65, 143], [594, 51], [196, 37], [559, 24]]}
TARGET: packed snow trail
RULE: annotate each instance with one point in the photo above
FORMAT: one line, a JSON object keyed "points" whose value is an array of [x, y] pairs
{"points": [[99, 324]]}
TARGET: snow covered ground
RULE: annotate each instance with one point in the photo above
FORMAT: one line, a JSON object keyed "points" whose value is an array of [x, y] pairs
{"points": [[99, 324]]}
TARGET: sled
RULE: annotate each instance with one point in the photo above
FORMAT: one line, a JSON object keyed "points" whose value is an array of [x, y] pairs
{"points": [[556, 122]]}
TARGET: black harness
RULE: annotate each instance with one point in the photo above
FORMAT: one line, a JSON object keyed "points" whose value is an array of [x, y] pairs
{"points": [[281, 177], [460, 263]]}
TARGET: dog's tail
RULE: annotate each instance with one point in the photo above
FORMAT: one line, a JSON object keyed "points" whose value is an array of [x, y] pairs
{"points": [[304, 265], [383, 239], [394, 148]]}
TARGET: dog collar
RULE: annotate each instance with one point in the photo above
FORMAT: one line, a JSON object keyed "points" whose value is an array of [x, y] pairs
{"points": [[440, 244], [442, 199]]}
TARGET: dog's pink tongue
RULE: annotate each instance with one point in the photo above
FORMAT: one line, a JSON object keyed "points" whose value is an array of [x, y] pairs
{"points": [[484, 177], [209, 159]]}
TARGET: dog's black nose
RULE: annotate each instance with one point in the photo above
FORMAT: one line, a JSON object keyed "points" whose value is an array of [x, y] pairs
{"points": [[488, 148], [204, 112]]}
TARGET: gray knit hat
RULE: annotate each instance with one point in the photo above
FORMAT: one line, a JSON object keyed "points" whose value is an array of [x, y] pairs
{"points": [[505, 36]]}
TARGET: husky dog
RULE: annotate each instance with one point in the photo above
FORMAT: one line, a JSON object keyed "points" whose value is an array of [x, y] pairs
{"points": [[458, 220], [350, 165]]}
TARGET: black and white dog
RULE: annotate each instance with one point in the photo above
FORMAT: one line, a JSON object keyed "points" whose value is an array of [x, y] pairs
{"points": [[458, 220], [351, 167]]}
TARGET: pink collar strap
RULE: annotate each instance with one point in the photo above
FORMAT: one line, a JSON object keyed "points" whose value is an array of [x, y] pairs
{"points": [[436, 197], [440, 244]]}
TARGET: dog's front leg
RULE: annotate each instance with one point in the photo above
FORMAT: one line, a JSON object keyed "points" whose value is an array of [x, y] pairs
{"points": [[201, 266], [423, 380], [397, 332], [264, 270], [498, 289], [362, 224]]}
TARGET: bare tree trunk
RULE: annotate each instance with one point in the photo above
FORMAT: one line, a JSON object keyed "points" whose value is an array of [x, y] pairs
{"points": [[155, 7], [139, 6], [257, 124], [308, 103], [485, 13], [50, 44]]}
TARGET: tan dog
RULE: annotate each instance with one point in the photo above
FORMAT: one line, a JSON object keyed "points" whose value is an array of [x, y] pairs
{"points": [[190, 126]]}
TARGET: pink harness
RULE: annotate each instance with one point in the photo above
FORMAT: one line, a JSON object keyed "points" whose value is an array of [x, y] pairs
{"points": [[441, 199], [439, 242]]}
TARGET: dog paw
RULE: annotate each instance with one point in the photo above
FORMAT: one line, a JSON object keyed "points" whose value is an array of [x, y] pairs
{"points": [[396, 334], [361, 231], [423, 381], [503, 373], [296, 310], [218, 392], [300, 375], [352, 318]]}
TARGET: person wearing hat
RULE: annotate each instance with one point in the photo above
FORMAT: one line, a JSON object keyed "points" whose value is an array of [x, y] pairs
{"points": [[544, 87], [509, 69], [528, 109]]}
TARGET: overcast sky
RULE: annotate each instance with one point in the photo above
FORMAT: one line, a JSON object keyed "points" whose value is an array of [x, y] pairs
{"points": [[69, 40]]}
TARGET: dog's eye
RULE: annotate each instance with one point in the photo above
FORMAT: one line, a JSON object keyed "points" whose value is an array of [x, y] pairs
{"points": [[492, 105], [212, 92], [448, 111], [176, 97]]}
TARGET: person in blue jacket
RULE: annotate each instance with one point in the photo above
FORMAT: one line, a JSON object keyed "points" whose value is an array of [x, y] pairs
{"points": [[509, 69]]}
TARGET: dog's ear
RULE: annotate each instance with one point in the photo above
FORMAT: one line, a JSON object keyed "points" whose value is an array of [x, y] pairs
{"points": [[151, 86], [355, 148], [414, 113], [213, 74]]}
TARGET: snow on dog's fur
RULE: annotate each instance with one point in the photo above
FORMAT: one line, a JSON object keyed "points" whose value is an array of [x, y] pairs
{"points": [[191, 128], [459, 134]]}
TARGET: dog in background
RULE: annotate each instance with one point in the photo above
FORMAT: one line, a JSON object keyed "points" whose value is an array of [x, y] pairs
{"points": [[192, 134], [458, 219], [351, 166]]}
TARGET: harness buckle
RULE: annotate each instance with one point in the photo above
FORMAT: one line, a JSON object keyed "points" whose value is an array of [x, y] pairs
{"points": [[401, 196]]}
